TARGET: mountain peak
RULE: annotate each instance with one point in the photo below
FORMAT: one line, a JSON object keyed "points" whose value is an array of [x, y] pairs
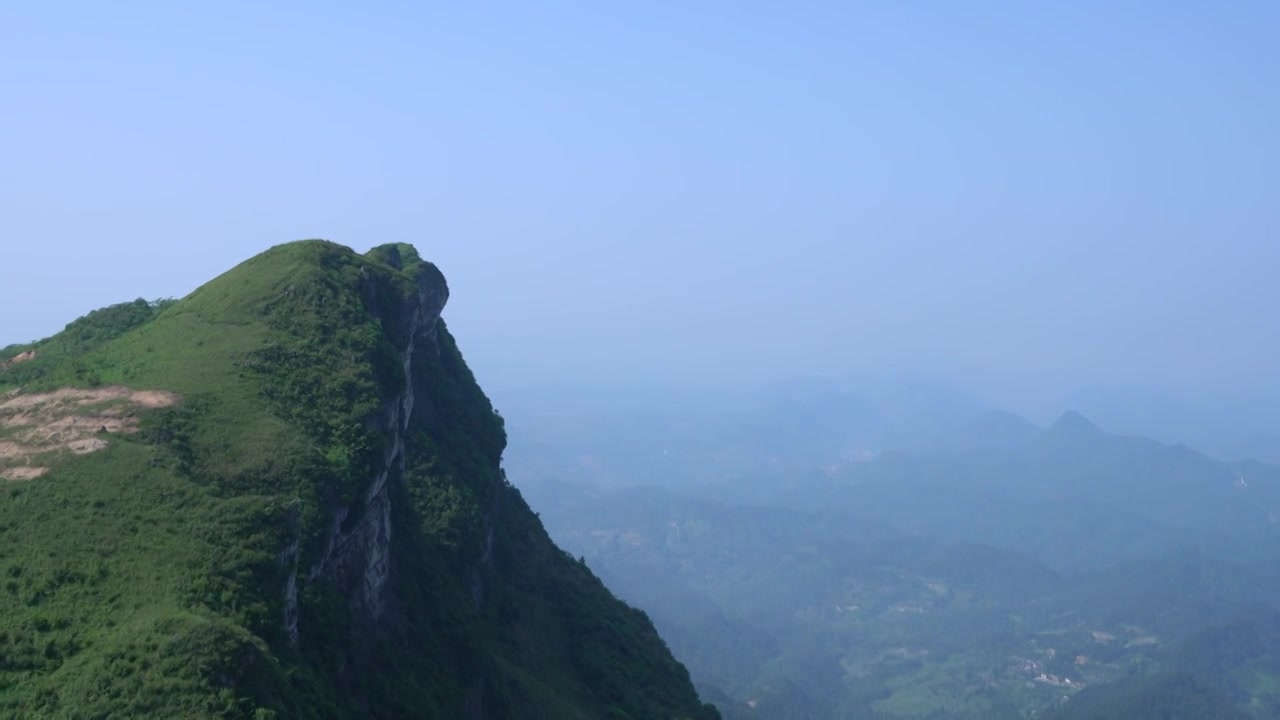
{"points": [[295, 485], [1075, 424]]}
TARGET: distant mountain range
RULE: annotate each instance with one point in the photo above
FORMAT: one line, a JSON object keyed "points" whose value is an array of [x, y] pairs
{"points": [[983, 567], [621, 436], [1229, 426]]}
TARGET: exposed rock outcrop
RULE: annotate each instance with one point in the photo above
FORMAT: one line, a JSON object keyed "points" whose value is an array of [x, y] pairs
{"points": [[356, 554]]}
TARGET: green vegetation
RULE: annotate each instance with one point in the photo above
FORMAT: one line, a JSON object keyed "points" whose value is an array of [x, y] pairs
{"points": [[65, 350], [1072, 575], [150, 578], [1162, 697]]}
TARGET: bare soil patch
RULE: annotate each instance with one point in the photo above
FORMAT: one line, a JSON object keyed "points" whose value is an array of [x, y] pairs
{"points": [[37, 427], [20, 357], [22, 472]]}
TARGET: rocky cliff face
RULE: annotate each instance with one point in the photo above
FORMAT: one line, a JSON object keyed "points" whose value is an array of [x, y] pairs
{"points": [[356, 555]]}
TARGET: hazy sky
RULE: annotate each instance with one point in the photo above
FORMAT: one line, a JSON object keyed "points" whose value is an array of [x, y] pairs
{"points": [[1044, 192]]}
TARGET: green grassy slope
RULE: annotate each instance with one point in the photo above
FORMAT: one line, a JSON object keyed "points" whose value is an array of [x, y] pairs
{"points": [[148, 579]]}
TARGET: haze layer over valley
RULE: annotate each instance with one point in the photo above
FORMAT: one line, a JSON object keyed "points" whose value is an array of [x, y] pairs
{"points": [[810, 550]]}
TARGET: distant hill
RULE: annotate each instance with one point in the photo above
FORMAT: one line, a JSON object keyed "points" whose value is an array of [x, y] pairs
{"points": [[1071, 495], [1227, 426]]}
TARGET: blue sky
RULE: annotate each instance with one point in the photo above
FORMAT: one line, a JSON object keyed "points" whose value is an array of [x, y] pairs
{"points": [[1032, 194]]}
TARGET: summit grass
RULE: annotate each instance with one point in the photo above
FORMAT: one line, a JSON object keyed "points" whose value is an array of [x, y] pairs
{"points": [[127, 567]]}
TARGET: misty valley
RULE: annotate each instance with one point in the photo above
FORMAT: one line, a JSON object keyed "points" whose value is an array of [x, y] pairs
{"points": [[905, 552]]}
